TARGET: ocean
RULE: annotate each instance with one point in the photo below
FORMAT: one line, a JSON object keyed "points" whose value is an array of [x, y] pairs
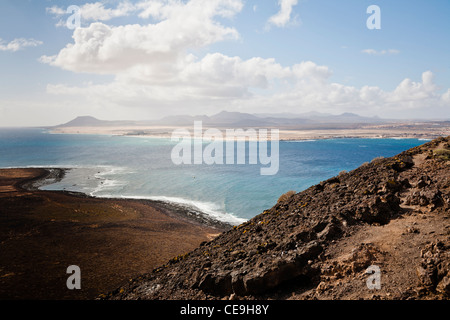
{"points": [[141, 167]]}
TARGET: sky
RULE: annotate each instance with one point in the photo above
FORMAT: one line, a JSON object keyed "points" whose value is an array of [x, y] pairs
{"points": [[146, 59]]}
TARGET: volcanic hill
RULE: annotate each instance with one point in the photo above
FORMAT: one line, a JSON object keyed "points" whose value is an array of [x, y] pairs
{"points": [[392, 213]]}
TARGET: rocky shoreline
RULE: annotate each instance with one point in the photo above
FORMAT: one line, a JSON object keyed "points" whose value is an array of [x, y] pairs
{"points": [[53, 175], [111, 240]]}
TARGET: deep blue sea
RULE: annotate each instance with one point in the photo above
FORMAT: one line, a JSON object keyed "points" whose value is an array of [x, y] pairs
{"points": [[139, 167]]}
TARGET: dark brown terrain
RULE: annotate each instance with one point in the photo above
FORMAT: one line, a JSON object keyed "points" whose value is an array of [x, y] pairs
{"points": [[392, 213], [44, 232]]}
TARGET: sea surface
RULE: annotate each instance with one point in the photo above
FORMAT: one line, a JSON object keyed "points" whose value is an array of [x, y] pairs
{"points": [[140, 167]]}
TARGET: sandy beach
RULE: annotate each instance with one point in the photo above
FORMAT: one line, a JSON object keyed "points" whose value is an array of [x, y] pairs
{"points": [[111, 240], [418, 130]]}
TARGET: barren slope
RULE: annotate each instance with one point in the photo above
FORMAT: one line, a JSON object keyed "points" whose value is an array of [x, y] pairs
{"points": [[317, 244]]}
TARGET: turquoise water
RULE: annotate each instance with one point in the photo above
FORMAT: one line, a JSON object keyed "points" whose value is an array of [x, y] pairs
{"points": [[139, 167]]}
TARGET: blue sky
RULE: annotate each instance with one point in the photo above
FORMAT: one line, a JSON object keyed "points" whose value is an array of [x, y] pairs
{"points": [[145, 59]]}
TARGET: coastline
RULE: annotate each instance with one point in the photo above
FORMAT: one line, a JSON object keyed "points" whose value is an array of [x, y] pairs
{"points": [[390, 215], [426, 131], [175, 210], [43, 232]]}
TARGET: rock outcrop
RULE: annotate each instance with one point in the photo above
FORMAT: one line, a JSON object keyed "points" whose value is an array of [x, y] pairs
{"points": [[318, 243]]}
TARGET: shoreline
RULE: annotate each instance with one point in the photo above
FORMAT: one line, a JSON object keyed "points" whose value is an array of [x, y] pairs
{"points": [[171, 208], [403, 130], [111, 240], [321, 243]]}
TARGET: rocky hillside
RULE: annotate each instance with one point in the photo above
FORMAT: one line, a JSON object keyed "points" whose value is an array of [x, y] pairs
{"points": [[392, 213]]}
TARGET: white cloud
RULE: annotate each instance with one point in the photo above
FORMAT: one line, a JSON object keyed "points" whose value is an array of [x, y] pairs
{"points": [[55, 10], [154, 69], [157, 9], [19, 44], [218, 82], [410, 91], [446, 97], [98, 12], [381, 52], [164, 9], [95, 11], [100, 48], [283, 17]]}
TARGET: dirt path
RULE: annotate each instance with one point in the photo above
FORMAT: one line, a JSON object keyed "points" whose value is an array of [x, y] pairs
{"points": [[395, 248]]}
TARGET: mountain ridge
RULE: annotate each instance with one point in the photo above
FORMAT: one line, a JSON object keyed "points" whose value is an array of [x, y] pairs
{"points": [[226, 118]]}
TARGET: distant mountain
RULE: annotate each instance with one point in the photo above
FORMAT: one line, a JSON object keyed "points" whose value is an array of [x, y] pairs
{"points": [[318, 117], [306, 115], [237, 119], [352, 117], [231, 119], [182, 120], [88, 121], [226, 117], [83, 122]]}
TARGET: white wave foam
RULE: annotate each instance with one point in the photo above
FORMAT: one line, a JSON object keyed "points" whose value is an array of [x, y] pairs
{"points": [[106, 183], [208, 208], [107, 187]]}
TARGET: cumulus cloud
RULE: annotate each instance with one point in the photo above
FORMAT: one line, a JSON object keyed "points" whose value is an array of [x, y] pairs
{"points": [[19, 44], [156, 9], [95, 11], [218, 81], [163, 9], [100, 48], [410, 91], [283, 17], [55, 10], [446, 97], [98, 12], [381, 52], [154, 68]]}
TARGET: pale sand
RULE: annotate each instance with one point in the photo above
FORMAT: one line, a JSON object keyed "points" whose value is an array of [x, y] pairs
{"points": [[399, 130]]}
